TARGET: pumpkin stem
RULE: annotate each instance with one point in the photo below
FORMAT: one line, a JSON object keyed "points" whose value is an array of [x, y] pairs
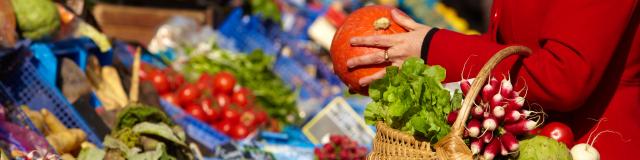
{"points": [[382, 23]]}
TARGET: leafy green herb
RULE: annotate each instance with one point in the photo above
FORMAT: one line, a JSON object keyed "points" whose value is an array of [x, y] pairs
{"points": [[413, 100]]}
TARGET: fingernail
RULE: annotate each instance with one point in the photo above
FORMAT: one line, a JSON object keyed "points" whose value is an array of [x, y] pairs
{"points": [[354, 40], [362, 82], [349, 64]]}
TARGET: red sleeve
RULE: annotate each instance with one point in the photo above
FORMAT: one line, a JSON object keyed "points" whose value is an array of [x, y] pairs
{"points": [[575, 46]]}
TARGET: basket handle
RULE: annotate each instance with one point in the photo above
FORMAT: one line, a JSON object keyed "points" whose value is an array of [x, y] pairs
{"points": [[481, 78]]}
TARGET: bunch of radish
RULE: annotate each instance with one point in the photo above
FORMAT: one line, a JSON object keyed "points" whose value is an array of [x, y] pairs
{"points": [[340, 147], [497, 117]]}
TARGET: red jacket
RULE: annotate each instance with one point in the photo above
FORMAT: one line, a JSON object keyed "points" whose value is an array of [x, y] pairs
{"points": [[585, 62]]}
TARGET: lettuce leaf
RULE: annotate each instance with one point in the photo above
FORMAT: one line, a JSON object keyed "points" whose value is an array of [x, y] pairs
{"points": [[413, 100]]}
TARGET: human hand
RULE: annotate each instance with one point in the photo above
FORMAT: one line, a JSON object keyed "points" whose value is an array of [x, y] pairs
{"points": [[398, 46]]}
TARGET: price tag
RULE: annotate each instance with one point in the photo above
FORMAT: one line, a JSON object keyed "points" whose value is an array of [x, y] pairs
{"points": [[338, 118]]}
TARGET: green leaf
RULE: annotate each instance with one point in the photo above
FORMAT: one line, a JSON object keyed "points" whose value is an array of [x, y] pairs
{"points": [[413, 66], [91, 153], [456, 101], [150, 155], [436, 72], [160, 130], [412, 99], [371, 113]]}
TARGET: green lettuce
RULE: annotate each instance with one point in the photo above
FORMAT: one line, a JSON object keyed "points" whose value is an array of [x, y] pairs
{"points": [[413, 100]]}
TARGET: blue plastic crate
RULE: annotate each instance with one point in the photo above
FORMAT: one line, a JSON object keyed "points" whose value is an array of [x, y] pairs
{"points": [[196, 129], [245, 34], [22, 84]]}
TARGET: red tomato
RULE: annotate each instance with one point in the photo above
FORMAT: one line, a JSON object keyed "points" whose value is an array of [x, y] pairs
{"points": [[242, 97], [224, 126], [261, 117], [248, 118], [171, 98], [222, 100], [159, 81], [239, 132], [176, 81], [196, 111], [204, 82], [560, 132], [145, 70], [228, 114], [209, 110], [223, 82], [188, 94]]}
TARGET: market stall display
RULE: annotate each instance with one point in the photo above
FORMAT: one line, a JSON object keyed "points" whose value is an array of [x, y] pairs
{"points": [[270, 81]]}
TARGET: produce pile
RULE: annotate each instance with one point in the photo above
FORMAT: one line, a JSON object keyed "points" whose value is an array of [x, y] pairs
{"points": [[413, 100], [143, 132], [500, 126], [497, 118], [214, 99], [66, 141], [340, 147], [255, 71], [16, 141], [36, 19]]}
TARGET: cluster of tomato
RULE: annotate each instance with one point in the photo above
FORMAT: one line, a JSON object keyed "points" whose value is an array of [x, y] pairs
{"points": [[340, 147], [215, 99]]}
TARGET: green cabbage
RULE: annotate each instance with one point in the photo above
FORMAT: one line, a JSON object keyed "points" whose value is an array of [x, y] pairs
{"points": [[36, 18], [541, 147]]}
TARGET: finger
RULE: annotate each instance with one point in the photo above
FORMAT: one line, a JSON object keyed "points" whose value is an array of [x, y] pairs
{"points": [[404, 20], [374, 58], [368, 79], [375, 41]]}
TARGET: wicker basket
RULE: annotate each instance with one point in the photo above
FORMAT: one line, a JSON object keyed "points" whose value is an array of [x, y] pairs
{"points": [[390, 143]]}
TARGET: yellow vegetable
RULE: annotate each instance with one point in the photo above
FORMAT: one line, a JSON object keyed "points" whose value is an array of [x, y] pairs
{"points": [[53, 123], [67, 141], [35, 117], [67, 156], [79, 135]]}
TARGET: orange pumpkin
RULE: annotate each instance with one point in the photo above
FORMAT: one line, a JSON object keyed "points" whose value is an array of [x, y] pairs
{"points": [[366, 21]]}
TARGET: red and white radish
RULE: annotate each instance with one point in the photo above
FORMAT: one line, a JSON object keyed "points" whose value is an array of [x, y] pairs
{"points": [[477, 112], [490, 123], [505, 88], [465, 86], [492, 149], [487, 137], [516, 103], [474, 128], [509, 141], [476, 146], [521, 127], [498, 112], [496, 100], [452, 116], [488, 91], [512, 116], [584, 151], [494, 82], [503, 150]]}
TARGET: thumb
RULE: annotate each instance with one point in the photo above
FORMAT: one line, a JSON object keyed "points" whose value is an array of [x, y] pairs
{"points": [[404, 20]]}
